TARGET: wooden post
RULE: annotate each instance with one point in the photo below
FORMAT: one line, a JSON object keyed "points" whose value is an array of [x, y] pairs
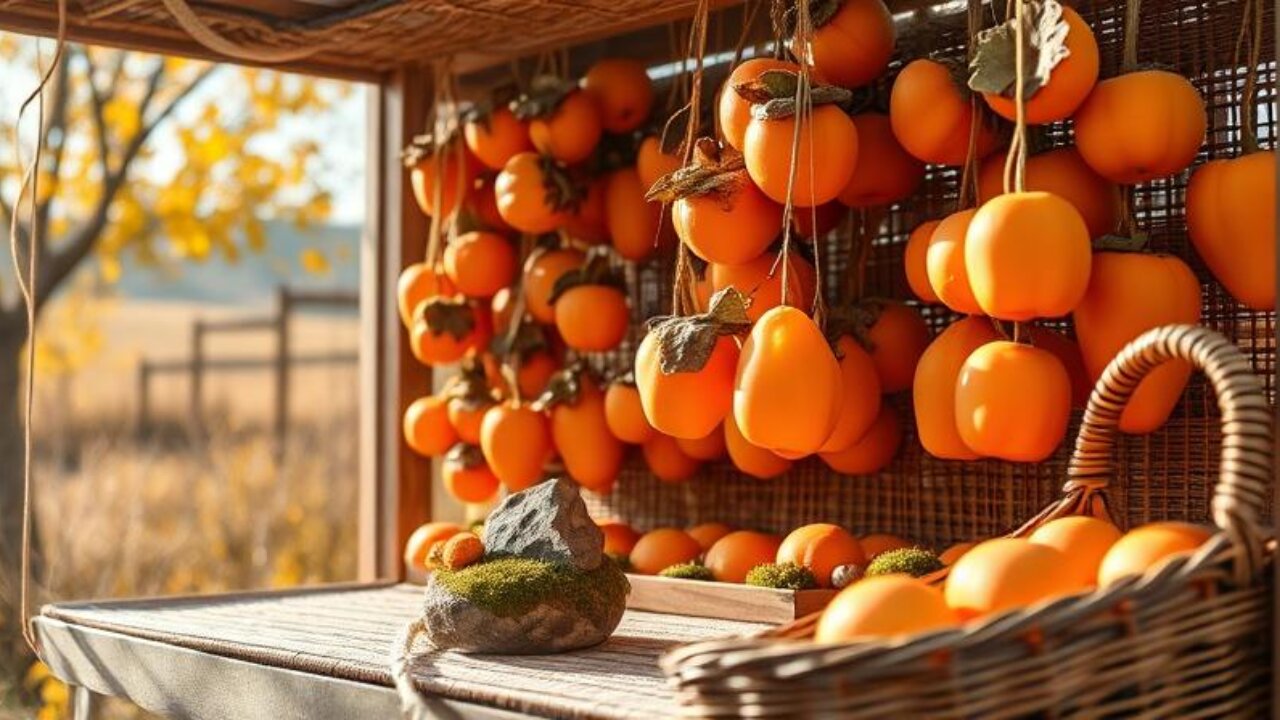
{"points": [[144, 398], [396, 482], [284, 306], [197, 377]]}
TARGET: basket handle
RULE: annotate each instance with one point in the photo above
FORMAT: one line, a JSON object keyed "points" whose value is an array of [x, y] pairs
{"points": [[1245, 470]]}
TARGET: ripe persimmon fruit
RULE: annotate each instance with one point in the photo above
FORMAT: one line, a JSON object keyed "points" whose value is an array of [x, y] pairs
{"points": [[1144, 547], [1231, 216], [752, 279], [1140, 126], [468, 479], [709, 447], [853, 47], [632, 221], [1083, 540], [455, 174], [872, 452], [661, 548], [730, 225], [571, 131], [821, 547], [592, 318], [686, 404], [426, 426], [496, 137], [1013, 402], [524, 199], [733, 110], [591, 454], [1007, 573], [417, 549], [652, 163], [885, 173], [541, 271], [755, 461], [944, 263], [480, 264], [1069, 84], [588, 222], [444, 331], [915, 261], [931, 117], [708, 533], [624, 414], [667, 461], [419, 282], [898, 338], [735, 554], [1064, 173], [1068, 353], [884, 606], [934, 388], [860, 391], [516, 442], [767, 147], [623, 92], [619, 537]]}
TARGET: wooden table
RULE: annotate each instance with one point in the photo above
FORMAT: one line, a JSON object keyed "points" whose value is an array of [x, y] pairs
{"points": [[323, 653]]}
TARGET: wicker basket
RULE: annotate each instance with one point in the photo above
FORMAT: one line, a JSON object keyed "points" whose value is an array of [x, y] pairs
{"points": [[1190, 638]]}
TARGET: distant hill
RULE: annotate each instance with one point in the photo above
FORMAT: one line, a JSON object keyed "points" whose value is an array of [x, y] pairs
{"points": [[254, 277]]}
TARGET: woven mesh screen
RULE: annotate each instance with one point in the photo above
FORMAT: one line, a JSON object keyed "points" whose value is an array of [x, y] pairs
{"points": [[1166, 475]]}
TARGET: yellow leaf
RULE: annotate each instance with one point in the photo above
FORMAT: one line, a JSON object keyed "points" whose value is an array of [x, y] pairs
{"points": [[109, 269], [121, 116], [36, 674], [255, 235], [54, 693], [315, 262]]}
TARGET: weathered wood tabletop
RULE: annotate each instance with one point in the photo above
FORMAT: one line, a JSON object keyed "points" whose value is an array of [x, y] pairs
{"points": [[323, 653]]}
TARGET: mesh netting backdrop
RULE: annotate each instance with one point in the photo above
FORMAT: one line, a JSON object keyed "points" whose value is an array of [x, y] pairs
{"points": [[1166, 475]]}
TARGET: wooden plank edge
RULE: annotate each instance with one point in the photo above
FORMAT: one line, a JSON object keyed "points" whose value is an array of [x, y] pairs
{"points": [[726, 601]]}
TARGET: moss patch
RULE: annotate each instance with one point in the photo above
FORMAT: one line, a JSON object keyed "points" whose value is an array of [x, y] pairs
{"points": [[688, 571], [512, 586], [782, 576], [914, 561]]}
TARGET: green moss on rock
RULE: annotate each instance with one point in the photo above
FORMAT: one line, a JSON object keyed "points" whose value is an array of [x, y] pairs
{"points": [[511, 586], [688, 571], [913, 561], [782, 576], [622, 559]]}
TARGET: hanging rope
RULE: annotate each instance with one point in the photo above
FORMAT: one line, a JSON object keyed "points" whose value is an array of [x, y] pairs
{"points": [[1015, 163], [968, 191], [202, 33], [803, 116], [1251, 26], [683, 297], [28, 287]]}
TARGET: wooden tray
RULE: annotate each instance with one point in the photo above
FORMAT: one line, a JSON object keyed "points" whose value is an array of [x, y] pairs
{"points": [[723, 600]]}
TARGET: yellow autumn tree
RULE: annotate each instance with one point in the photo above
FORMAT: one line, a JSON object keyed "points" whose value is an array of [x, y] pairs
{"points": [[206, 193]]}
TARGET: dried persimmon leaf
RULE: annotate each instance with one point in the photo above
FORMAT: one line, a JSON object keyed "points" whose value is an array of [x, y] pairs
{"points": [[994, 65], [442, 315], [685, 343]]}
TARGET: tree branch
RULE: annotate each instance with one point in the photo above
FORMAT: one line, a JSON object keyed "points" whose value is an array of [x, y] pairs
{"points": [[97, 106], [60, 265]]}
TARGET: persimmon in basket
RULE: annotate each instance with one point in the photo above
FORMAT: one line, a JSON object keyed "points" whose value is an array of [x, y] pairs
{"points": [[1007, 573], [1130, 293], [821, 547], [516, 442], [1084, 540], [1145, 547], [426, 426], [1231, 216], [1140, 126], [1013, 402], [496, 136], [931, 117], [735, 554], [1015, 279], [934, 389], [659, 549], [755, 461], [623, 92], [480, 264], [884, 606], [1069, 81], [787, 390], [852, 41], [579, 431]]}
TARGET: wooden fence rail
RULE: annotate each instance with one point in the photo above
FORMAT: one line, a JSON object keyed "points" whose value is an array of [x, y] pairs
{"points": [[288, 300]]}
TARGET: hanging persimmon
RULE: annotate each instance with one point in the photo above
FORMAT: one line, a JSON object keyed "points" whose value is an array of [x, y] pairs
{"points": [[1130, 293], [1064, 173], [1068, 353], [706, 448], [885, 173], [932, 118], [716, 210], [765, 293], [534, 194], [482, 203], [860, 394], [897, 336], [446, 329], [495, 135], [590, 304], [915, 261], [787, 392], [451, 177], [580, 431], [852, 41], [685, 367], [466, 476], [1231, 216], [624, 412], [820, 220], [654, 161], [934, 389], [667, 461], [502, 307], [541, 272], [1027, 255], [944, 263], [872, 452], [535, 372], [426, 426], [564, 121], [1065, 65], [734, 110], [516, 442], [623, 92], [632, 221], [771, 137], [469, 399], [480, 264], [747, 458], [420, 282], [1013, 402], [588, 221], [1141, 126]]}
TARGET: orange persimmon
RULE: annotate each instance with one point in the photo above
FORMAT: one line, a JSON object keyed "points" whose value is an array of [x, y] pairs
{"points": [[624, 414], [731, 225], [592, 318], [931, 117], [860, 390], [854, 46], [872, 452], [822, 548], [934, 389], [1012, 402], [898, 337], [1064, 173], [570, 133], [825, 158], [735, 554], [1069, 82], [944, 263], [884, 606], [1068, 353], [659, 549], [755, 461], [706, 448], [516, 442], [686, 404], [752, 279], [580, 432], [733, 110], [885, 173], [496, 137], [465, 482], [632, 221], [708, 533], [623, 92], [523, 200], [426, 426], [480, 263], [667, 461], [652, 164], [1231, 216], [1006, 573], [419, 282], [541, 271], [915, 261]]}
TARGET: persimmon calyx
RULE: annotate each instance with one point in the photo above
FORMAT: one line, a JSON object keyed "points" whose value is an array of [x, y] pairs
{"points": [[545, 94], [471, 386], [560, 190], [563, 388], [714, 169], [422, 148], [773, 94], [447, 315], [1119, 243], [528, 339], [854, 321], [994, 68], [685, 343], [481, 112], [465, 455], [595, 270], [820, 13]]}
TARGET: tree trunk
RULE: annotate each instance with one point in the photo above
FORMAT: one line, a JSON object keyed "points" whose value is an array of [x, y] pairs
{"points": [[13, 655]]}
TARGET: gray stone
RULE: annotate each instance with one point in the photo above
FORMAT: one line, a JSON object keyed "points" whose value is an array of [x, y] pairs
{"points": [[549, 521], [455, 623]]}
